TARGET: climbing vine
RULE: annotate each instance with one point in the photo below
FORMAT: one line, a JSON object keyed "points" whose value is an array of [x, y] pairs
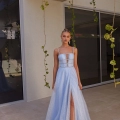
{"points": [[109, 36], [93, 2], [43, 7], [73, 23]]}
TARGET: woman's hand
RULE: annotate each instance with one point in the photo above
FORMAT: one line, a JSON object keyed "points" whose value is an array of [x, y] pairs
{"points": [[80, 85]]}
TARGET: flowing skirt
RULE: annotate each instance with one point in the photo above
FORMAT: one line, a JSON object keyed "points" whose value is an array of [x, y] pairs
{"points": [[59, 106]]}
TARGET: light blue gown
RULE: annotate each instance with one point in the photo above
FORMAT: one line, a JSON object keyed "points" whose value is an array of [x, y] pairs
{"points": [[65, 84]]}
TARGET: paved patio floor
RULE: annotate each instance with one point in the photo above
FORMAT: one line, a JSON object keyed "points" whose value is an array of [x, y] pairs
{"points": [[103, 104]]}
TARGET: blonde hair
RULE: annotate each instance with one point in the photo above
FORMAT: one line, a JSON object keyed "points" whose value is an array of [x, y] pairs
{"points": [[65, 30]]}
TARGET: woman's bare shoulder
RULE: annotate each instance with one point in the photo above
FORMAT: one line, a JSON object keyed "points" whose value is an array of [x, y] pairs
{"points": [[74, 48], [56, 50]]}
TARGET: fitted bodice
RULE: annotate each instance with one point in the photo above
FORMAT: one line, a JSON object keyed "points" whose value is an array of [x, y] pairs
{"points": [[66, 59]]}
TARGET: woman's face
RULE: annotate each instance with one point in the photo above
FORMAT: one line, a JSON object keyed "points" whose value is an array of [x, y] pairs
{"points": [[65, 37]]}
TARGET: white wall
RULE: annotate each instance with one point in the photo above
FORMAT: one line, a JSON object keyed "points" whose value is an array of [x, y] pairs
{"points": [[33, 38], [103, 5]]}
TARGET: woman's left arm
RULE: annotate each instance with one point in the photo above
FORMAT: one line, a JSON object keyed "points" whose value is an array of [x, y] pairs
{"points": [[76, 65]]}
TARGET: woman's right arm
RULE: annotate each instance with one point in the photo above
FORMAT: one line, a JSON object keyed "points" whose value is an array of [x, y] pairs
{"points": [[55, 68]]}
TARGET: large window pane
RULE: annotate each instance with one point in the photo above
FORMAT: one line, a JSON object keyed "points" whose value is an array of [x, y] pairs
{"points": [[88, 44], [11, 87]]}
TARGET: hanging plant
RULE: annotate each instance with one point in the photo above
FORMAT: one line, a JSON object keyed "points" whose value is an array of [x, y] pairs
{"points": [[109, 36], [73, 23], [94, 10], [43, 6]]}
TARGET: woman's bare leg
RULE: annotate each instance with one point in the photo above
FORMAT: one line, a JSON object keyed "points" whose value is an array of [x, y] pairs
{"points": [[72, 111]]}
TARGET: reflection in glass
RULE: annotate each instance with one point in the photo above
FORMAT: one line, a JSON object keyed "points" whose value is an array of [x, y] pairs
{"points": [[3, 82], [11, 86]]}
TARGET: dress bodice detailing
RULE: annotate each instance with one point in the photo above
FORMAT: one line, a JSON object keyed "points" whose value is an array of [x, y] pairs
{"points": [[66, 61]]}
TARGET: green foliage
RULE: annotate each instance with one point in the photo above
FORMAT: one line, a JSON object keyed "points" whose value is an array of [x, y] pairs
{"points": [[94, 11], [115, 69], [108, 36], [112, 45], [113, 62], [45, 64], [112, 75], [43, 6], [112, 39], [47, 85], [109, 27], [73, 23]]}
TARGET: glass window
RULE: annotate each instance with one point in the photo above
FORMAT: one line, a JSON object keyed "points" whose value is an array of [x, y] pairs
{"points": [[11, 86], [106, 50], [88, 44]]}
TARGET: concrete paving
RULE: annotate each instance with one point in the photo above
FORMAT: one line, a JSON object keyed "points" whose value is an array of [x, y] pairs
{"points": [[103, 104]]}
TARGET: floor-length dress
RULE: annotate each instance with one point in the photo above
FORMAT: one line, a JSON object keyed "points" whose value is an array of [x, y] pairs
{"points": [[66, 83]]}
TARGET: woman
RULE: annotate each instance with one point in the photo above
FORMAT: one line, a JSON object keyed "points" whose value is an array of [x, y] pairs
{"points": [[67, 101]]}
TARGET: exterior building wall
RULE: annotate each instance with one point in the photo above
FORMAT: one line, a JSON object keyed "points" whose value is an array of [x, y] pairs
{"points": [[32, 38]]}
